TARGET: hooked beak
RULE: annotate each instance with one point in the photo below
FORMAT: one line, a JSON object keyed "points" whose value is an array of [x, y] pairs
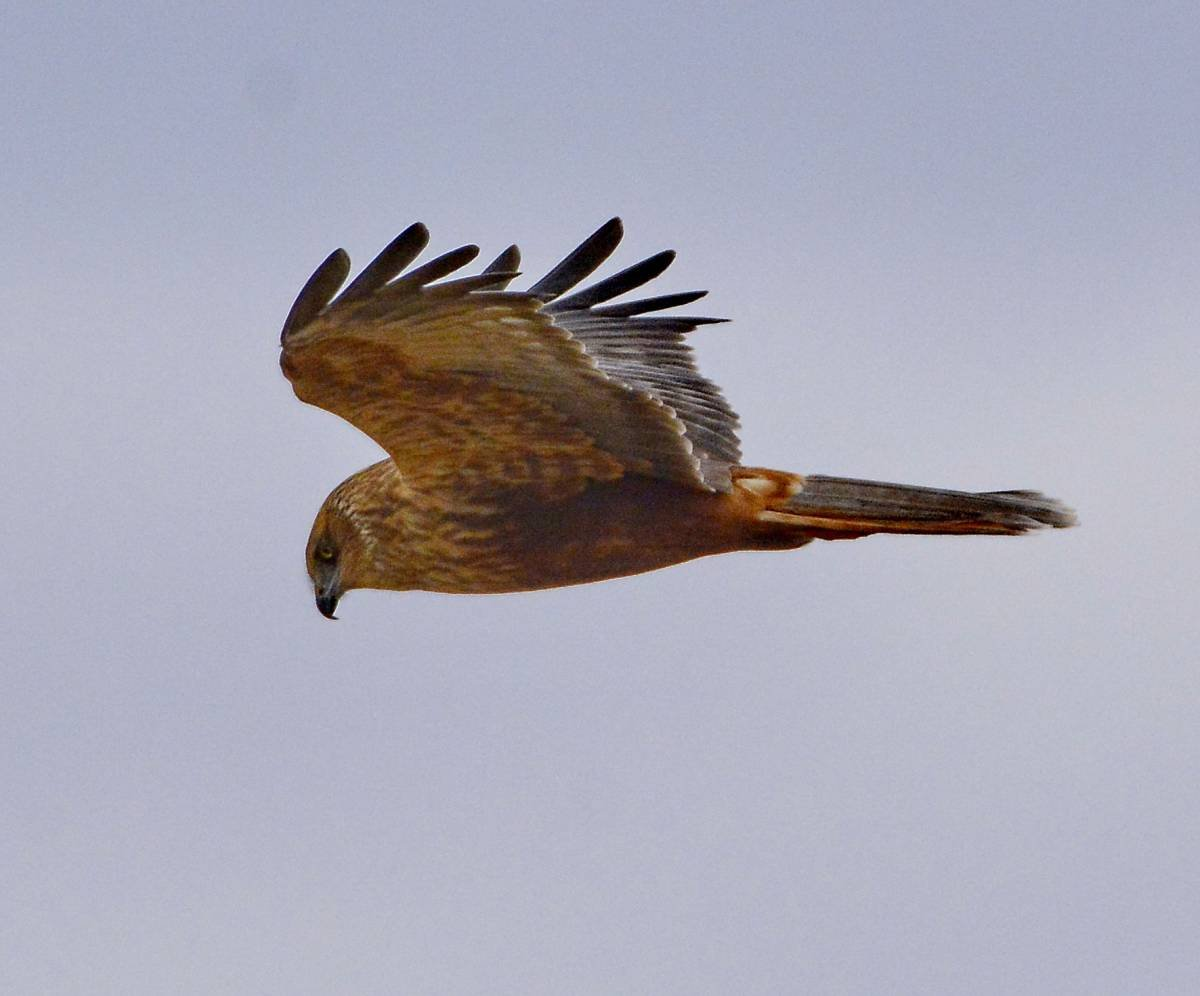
{"points": [[327, 600]]}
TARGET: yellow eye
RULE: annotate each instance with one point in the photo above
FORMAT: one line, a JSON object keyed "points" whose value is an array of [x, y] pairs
{"points": [[323, 553]]}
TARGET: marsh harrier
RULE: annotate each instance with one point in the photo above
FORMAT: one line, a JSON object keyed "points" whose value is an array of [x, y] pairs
{"points": [[539, 438]]}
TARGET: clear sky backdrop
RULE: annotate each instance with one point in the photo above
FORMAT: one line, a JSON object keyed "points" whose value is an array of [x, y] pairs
{"points": [[961, 245]]}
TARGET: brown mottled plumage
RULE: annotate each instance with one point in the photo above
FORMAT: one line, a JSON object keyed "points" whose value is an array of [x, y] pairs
{"points": [[536, 440]]}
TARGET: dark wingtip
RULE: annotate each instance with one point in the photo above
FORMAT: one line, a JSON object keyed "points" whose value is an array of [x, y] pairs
{"points": [[508, 260], [610, 234], [508, 263], [317, 292], [649, 304], [581, 261], [496, 280], [618, 284], [390, 262], [435, 269]]}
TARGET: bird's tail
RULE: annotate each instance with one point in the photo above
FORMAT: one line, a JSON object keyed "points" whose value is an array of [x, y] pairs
{"points": [[844, 508]]}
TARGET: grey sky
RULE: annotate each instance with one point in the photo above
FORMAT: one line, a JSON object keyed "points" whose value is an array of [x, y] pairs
{"points": [[960, 245]]}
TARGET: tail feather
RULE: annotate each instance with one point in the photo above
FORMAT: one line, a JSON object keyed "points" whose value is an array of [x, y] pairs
{"points": [[845, 508]]}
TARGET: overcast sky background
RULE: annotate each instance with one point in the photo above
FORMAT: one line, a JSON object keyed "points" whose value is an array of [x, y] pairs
{"points": [[961, 245]]}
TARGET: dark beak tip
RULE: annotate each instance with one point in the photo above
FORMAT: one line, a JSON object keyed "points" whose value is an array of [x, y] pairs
{"points": [[326, 605]]}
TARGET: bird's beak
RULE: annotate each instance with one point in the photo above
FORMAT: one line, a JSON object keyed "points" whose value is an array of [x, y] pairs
{"points": [[327, 600]]}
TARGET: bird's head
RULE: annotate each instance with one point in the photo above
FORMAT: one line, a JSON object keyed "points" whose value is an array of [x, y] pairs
{"points": [[336, 556], [360, 538]]}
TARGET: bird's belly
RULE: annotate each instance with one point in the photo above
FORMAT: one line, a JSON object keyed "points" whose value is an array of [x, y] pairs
{"points": [[610, 530]]}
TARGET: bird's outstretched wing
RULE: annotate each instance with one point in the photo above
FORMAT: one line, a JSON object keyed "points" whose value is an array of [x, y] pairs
{"points": [[465, 383]]}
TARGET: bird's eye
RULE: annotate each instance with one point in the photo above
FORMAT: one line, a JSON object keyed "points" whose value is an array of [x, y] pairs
{"points": [[323, 553]]}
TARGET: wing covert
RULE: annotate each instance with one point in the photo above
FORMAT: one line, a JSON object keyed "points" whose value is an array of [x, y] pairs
{"points": [[466, 384]]}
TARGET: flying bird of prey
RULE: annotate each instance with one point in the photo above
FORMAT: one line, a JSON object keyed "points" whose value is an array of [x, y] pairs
{"points": [[540, 438]]}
